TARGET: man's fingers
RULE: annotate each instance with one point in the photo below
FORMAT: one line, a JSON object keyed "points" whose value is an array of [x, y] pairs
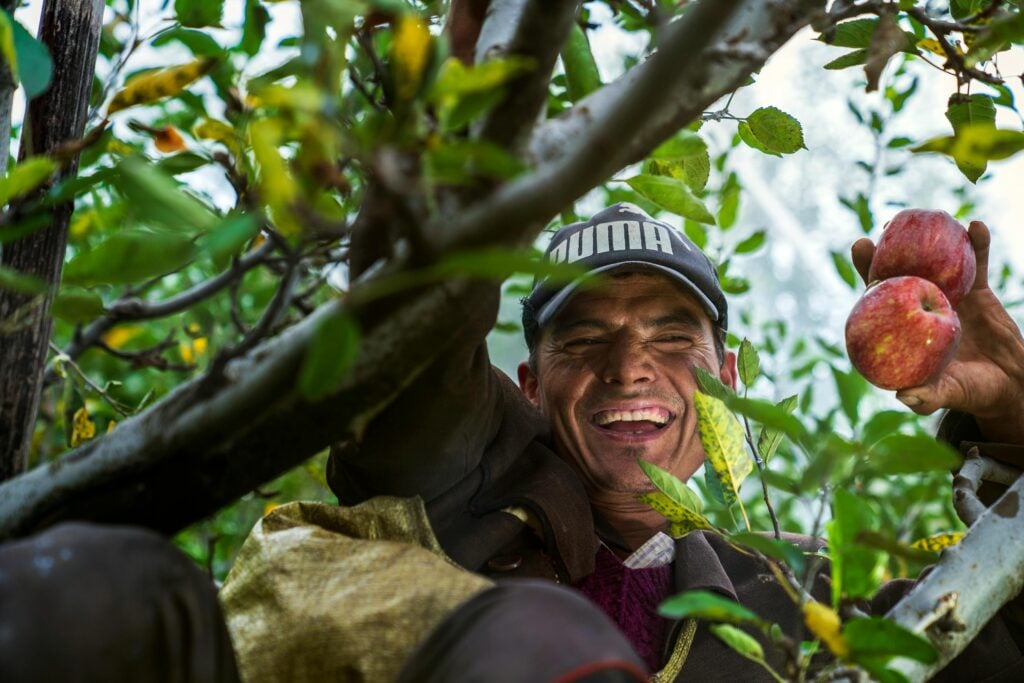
{"points": [[923, 400], [980, 240], [862, 251]]}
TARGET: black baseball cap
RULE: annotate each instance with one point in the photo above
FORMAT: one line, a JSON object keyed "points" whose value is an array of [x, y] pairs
{"points": [[624, 237]]}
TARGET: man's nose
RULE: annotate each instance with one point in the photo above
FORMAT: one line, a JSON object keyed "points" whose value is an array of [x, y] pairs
{"points": [[627, 363]]}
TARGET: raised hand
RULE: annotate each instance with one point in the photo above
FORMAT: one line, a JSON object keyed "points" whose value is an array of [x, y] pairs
{"points": [[986, 377]]}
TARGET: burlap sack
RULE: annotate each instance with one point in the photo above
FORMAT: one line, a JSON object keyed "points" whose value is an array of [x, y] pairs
{"points": [[327, 593]]}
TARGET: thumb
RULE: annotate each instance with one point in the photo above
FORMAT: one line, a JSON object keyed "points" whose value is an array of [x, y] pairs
{"points": [[980, 240]]}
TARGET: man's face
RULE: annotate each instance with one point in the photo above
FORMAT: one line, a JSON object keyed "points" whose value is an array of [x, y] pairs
{"points": [[614, 375]]}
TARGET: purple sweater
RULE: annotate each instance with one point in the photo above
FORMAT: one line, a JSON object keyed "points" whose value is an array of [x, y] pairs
{"points": [[631, 598]]}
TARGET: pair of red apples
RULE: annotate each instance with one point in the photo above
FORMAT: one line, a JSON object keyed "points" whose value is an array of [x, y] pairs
{"points": [[905, 330]]}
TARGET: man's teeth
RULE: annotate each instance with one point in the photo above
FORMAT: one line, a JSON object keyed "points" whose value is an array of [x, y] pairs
{"points": [[657, 415]]}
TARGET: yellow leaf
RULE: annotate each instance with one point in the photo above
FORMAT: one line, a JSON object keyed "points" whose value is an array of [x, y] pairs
{"points": [[410, 51], [156, 85], [120, 149], [278, 188], [937, 542], [83, 428], [722, 438], [169, 140], [119, 336], [681, 519], [7, 44], [211, 129], [270, 507], [199, 345], [111, 425], [824, 623], [933, 46]]}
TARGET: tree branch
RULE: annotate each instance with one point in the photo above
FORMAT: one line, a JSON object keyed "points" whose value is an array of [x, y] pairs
{"points": [[951, 604], [703, 56]]}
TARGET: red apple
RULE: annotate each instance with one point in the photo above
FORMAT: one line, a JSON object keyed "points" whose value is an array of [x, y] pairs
{"points": [[902, 332], [928, 244]]}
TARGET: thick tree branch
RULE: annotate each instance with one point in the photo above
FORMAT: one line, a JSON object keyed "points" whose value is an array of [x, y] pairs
{"points": [[969, 584], [195, 450], [530, 29]]}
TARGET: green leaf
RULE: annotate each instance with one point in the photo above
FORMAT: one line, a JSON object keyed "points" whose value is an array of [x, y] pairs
{"points": [[581, 74], [685, 144], [130, 257], [158, 199], [672, 486], [976, 144], [713, 484], [971, 110], [77, 306], [883, 424], [695, 171], [1002, 32], [199, 13], [456, 79], [779, 549], [229, 237], [738, 640], [844, 268], [464, 161], [707, 605], [722, 438], [770, 438], [856, 570], [682, 520], [254, 30], [862, 209], [852, 387], [672, 195], [35, 67], [856, 33], [776, 130], [199, 43], [855, 58], [710, 384], [13, 281], [498, 264], [876, 636], [747, 136], [748, 363], [25, 177], [184, 162], [332, 351], [910, 453], [752, 243], [730, 202]]}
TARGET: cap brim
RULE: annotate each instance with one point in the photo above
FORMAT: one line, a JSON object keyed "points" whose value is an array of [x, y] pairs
{"points": [[552, 306]]}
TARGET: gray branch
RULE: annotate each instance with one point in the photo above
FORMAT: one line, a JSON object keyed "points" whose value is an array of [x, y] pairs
{"points": [[969, 584]]}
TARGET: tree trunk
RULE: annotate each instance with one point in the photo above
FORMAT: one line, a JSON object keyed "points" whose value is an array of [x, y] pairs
{"points": [[70, 29]]}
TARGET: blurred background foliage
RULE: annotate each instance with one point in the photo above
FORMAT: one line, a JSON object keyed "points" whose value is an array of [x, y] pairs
{"points": [[229, 150]]}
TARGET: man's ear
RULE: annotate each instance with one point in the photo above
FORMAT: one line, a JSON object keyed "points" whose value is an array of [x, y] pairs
{"points": [[528, 383], [728, 372]]}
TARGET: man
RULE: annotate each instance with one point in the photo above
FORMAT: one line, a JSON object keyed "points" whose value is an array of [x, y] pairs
{"points": [[551, 492]]}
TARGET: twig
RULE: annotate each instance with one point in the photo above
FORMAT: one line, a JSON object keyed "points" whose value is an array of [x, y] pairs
{"points": [[759, 461], [954, 58], [977, 468], [114, 403]]}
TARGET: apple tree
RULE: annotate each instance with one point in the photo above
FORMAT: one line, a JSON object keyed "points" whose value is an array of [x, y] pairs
{"points": [[232, 234]]}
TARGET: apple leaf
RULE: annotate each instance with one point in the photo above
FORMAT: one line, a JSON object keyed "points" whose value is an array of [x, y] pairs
{"points": [[910, 453], [672, 486], [856, 570], [875, 636], [937, 542], [747, 136], [844, 268], [13, 281], [672, 195], [777, 548], [739, 641], [770, 438], [854, 58], [707, 605], [77, 306], [129, 257], [712, 385], [752, 243], [974, 145], [685, 144], [35, 66], [581, 74], [748, 363], [776, 130], [682, 520], [25, 177], [722, 438]]}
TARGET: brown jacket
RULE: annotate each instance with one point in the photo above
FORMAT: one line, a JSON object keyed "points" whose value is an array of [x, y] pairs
{"points": [[464, 438]]}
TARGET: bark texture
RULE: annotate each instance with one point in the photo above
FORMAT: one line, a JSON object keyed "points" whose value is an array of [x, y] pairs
{"points": [[70, 29]]}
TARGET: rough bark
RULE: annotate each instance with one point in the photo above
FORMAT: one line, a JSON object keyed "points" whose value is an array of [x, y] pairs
{"points": [[70, 29]]}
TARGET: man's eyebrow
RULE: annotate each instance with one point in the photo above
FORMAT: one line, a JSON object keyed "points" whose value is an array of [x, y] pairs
{"points": [[562, 329], [684, 318]]}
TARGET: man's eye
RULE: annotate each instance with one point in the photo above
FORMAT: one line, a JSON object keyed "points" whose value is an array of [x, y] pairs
{"points": [[673, 339], [583, 342]]}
